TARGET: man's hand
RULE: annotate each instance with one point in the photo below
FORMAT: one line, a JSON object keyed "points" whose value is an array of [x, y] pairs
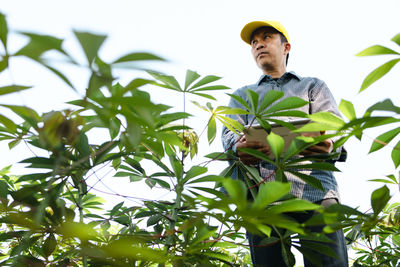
{"points": [[323, 147], [249, 159]]}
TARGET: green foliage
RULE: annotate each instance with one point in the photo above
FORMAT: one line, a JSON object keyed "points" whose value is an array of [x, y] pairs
{"points": [[383, 69], [52, 217]]}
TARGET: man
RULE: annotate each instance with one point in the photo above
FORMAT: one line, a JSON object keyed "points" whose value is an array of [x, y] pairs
{"points": [[270, 47]]}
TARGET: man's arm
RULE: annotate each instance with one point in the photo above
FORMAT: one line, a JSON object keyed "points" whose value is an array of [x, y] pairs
{"points": [[321, 99]]}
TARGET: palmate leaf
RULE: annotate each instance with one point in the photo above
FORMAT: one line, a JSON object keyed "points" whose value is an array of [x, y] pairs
{"points": [[384, 139], [376, 50], [90, 44], [378, 73]]}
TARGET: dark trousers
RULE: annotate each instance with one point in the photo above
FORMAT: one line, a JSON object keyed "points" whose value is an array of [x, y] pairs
{"points": [[271, 256]]}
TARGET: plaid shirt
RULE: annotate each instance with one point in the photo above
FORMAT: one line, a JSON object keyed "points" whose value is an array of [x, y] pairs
{"points": [[320, 98]]}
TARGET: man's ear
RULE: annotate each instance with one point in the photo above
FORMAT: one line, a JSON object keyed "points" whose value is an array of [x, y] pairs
{"points": [[288, 46]]}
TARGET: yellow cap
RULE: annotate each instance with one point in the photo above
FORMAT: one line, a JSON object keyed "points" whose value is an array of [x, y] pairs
{"points": [[249, 28]]}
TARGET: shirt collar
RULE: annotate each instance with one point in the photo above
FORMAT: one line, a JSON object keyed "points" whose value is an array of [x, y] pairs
{"points": [[285, 76]]}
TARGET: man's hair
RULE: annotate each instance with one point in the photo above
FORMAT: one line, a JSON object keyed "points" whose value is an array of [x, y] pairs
{"points": [[283, 38]]}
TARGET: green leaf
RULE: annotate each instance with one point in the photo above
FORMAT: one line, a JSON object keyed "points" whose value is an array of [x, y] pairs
{"points": [[257, 154], [3, 30], [212, 130], [90, 44], [293, 205], [347, 108], [3, 63], [396, 39], [176, 166], [60, 75], [237, 191], [82, 145], [26, 113], [134, 133], [49, 245], [396, 155], [168, 81], [269, 98], [191, 76], [40, 162], [311, 180], [136, 56], [154, 219], [287, 103], [206, 80], [195, 171], [210, 88], [384, 139], [40, 44], [378, 73], [253, 97], [208, 178], [276, 143], [231, 124], [9, 124], [34, 177], [240, 101], [376, 50], [204, 95], [229, 111], [115, 126], [162, 183], [328, 119], [379, 199], [3, 190], [316, 166], [269, 193]]}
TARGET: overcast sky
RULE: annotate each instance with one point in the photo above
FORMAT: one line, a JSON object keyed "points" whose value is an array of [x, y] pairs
{"points": [[204, 36]]}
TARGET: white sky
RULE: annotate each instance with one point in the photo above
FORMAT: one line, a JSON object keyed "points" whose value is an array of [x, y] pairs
{"points": [[204, 36]]}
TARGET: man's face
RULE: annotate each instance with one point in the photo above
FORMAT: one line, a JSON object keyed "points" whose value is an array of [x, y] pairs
{"points": [[267, 48]]}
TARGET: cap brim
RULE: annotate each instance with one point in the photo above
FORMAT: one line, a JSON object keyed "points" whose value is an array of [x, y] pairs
{"points": [[250, 27]]}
